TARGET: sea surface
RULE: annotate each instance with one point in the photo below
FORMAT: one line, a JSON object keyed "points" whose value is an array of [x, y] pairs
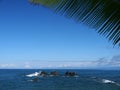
{"points": [[16, 79]]}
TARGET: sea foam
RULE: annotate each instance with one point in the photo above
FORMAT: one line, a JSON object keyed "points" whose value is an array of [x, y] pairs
{"points": [[33, 74], [107, 81]]}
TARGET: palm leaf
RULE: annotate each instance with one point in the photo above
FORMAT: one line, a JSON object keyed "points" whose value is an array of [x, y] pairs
{"points": [[102, 15]]}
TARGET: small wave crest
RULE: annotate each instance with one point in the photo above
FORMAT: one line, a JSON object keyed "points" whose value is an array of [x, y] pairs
{"points": [[105, 81], [110, 82], [33, 74]]}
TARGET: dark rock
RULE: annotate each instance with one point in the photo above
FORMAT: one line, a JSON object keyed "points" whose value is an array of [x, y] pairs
{"points": [[70, 73], [54, 73], [43, 73]]}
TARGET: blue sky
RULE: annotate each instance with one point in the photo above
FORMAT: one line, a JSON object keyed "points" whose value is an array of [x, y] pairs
{"points": [[31, 33]]}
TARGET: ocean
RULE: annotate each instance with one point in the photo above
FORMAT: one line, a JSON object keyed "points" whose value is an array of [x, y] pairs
{"points": [[16, 79]]}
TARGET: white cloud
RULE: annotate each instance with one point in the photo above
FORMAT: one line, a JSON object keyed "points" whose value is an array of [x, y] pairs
{"points": [[114, 61], [7, 66], [27, 66], [102, 62], [62, 64]]}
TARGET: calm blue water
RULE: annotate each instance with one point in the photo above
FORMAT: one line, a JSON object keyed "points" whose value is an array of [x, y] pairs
{"points": [[87, 80]]}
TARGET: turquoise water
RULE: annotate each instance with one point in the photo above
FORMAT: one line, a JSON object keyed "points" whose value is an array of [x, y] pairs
{"points": [[87, 80]]}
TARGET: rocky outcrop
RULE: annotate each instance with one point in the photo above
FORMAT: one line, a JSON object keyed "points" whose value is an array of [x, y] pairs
{"points": [[54, 73], [68, 73]]}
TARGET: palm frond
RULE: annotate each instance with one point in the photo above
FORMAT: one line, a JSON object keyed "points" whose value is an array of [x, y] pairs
{"points": [[102, 15]]}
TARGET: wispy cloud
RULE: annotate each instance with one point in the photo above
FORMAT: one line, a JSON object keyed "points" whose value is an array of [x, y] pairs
{"points": [[100, 63], [114, 61], [27, 65], [8, 66]]}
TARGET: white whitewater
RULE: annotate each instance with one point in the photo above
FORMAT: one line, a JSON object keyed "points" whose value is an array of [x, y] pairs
{"points": [[110, 82], [34, 74], [107, 81]]}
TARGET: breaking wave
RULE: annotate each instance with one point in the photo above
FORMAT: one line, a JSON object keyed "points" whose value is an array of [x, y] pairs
{"points": [[34, 74], [105, 81]]}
